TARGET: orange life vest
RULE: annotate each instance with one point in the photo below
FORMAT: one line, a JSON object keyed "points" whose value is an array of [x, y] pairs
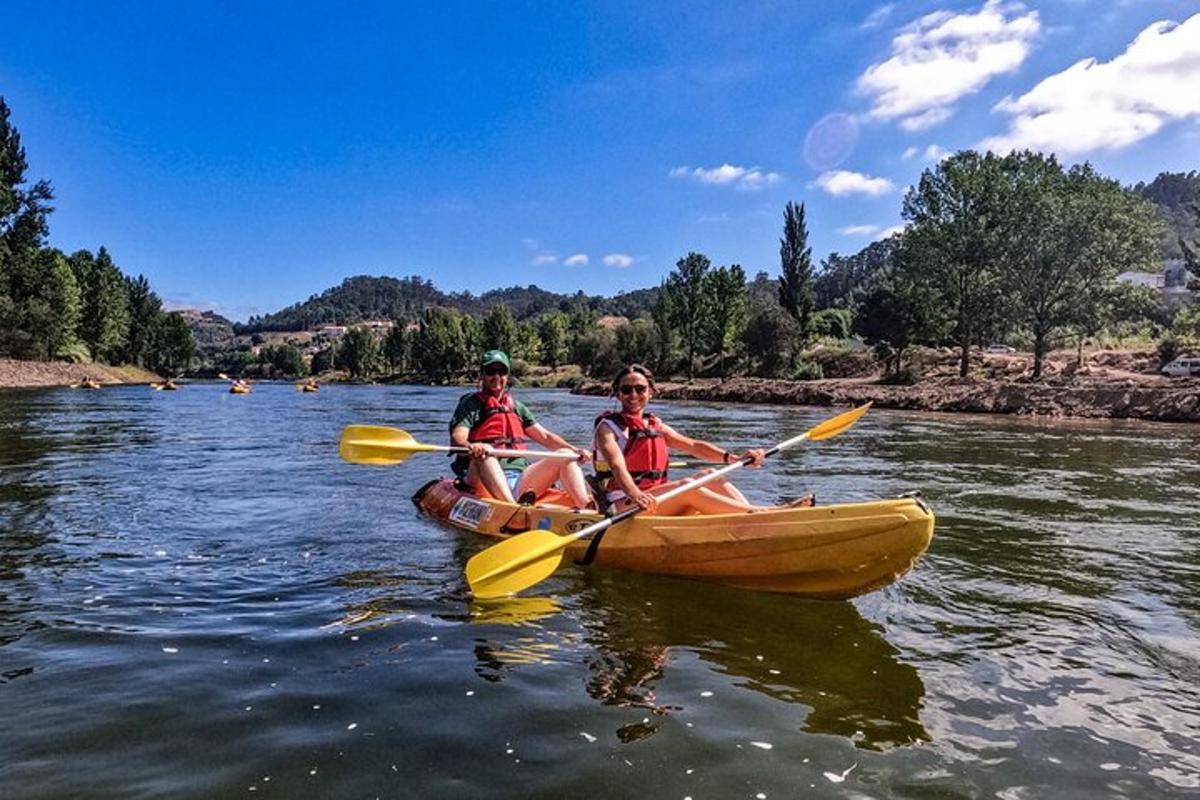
{"points": [[499, 425], [643, 446]]}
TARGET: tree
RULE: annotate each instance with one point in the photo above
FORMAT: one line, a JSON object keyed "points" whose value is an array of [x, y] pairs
{"points": [[833, 323], [284, 359], [440, 348], [841, 277], [358, 353], [769, 339], [636, 343], [397, 348], [1067, 236], [499, 329], [172, 347], [145, 308], [729, 310], [105, 324], [796, 270], [955, 213], [552, 330], [899, 307], [24, 298], [41, 322], [688, 294]]}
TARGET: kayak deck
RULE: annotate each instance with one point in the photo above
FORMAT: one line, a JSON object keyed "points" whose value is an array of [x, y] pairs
{"points": [[832, 552]]}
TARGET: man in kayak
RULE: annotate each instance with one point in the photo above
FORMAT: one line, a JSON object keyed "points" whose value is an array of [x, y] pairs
{"points": [[631, 455], [491, 418]]}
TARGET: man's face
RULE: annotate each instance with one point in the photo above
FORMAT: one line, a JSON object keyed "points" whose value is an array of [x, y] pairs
{"points": [[494, 378]]}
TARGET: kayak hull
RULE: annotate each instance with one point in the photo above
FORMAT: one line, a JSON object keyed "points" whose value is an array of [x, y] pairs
{"points": [[239, 390], [831, 552]]}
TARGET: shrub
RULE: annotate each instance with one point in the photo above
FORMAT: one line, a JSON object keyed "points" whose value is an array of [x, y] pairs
{"points": [[804, 370], [1168, 349]]}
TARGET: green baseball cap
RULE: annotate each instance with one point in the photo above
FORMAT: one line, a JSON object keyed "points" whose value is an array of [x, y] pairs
{"points": [[495, 357]]}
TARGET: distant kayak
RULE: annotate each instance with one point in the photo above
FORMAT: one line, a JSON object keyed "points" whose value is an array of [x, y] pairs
{"points": [[831, 552], [239, 390]]}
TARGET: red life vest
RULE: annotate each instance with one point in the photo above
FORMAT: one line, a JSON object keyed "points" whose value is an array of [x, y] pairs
{"points": [[499, 425], [644, 448]]}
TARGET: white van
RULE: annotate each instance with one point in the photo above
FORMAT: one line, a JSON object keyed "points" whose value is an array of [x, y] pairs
{"points": [[1183, 367]]}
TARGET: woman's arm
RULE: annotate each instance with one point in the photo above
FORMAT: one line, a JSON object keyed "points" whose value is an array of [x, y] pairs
{"points": [[706, 450]]}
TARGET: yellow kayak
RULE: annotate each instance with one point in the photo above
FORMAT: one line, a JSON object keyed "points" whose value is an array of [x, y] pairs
{"points": [[239, 390], [831, 552]]}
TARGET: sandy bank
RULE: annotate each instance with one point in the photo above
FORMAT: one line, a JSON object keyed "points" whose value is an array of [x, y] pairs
{"points": [[25, 374], [1148, 397]]}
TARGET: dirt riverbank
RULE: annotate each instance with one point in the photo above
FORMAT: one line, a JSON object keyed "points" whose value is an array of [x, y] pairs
{"points": [[27, 374], [1113, 385]]}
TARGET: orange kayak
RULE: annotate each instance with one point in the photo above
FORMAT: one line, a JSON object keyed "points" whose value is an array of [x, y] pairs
{"points": [[831, 552]]}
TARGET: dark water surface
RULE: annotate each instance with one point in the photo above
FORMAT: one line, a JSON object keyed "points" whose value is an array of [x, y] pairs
{"points": [[198, 599]]}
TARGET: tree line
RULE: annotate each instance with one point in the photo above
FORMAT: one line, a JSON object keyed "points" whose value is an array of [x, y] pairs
{"points": [[1014, 248], [76, 307]]}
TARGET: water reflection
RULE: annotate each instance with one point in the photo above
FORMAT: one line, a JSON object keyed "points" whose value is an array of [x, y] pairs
{"points": [[822, 655]]}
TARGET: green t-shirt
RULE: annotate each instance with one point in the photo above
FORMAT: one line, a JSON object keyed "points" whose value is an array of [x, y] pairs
{"points": [[469, 412]]}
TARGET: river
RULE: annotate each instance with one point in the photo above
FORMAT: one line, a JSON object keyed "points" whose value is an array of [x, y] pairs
{"points": [[198, 599]]}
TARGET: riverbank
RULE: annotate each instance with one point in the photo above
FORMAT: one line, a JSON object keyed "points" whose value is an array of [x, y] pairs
{"points": [[30, 374], [1142, 397]]}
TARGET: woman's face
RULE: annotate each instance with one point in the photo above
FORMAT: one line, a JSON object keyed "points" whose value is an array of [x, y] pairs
{"points": [[633, 390]]}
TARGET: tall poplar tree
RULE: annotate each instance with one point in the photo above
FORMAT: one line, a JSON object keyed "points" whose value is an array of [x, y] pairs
{"points": [[796, 271], [689, 299]]}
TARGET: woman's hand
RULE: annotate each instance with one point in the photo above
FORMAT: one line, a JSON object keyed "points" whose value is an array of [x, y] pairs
{"points": [[756, 457], [479, 450], [644, 499], [585, 456]]}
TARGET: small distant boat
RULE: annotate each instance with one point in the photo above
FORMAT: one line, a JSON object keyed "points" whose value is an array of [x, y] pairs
{"points": [[239, 389], [307, 387], [165, 386], [87, 383]]}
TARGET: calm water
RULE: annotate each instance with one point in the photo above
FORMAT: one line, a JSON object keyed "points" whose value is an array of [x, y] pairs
{"points": [[197, 599]]}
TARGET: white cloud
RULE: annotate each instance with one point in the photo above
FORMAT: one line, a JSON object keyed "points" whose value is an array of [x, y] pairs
{"points": [[909, 152], [705, 219], [879, 16], [619, 260], [859, 230], [1109, 105], [892, 231], [577, 260], [842, 182], [748, 179], [542, 259], [935, 153], [943, 57]]}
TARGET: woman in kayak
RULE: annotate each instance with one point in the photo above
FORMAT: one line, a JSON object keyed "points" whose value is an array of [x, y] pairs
{"points": [[631, 455], [492, 418]]}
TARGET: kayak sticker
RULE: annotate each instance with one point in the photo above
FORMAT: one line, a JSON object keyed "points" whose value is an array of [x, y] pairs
{"points": [[470, 512]]}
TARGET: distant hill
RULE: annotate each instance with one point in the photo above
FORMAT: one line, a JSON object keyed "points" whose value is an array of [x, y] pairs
{"points": [[1174, 193], [211, 331], [364, 297]]}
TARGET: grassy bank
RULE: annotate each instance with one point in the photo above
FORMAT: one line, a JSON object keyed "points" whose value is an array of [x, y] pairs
{"points": [[25, 374]]}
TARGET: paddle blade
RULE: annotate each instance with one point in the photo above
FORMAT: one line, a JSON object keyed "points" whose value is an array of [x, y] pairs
{"points": [[832, 427], [515, 564], [378, 445]]}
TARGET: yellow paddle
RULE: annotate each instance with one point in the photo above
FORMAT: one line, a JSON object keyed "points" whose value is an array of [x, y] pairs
{"points": [[523, 560], [383, 446]]}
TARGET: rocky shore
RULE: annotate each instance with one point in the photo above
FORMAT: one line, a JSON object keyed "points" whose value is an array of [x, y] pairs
{"points": [[1140, 397], [28, 374]]}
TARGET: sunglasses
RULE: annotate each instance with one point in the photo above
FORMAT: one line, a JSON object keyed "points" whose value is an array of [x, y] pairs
{"points": [[630, 388], [495, 371]]}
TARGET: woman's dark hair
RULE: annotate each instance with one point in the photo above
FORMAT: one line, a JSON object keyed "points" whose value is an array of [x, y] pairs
{"points": [[629, 370]]}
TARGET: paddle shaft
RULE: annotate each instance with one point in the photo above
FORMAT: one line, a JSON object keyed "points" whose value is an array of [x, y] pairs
{"points": [[506, 453]]}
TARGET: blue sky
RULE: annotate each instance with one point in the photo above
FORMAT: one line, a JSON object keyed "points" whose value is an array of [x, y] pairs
{"points": [[246, 155]]}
